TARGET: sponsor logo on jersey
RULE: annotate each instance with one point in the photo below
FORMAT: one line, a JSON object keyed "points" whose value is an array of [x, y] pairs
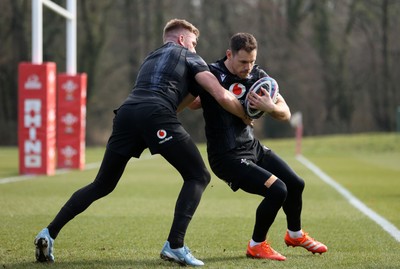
{"points": [[237, 89], [162, 134]]}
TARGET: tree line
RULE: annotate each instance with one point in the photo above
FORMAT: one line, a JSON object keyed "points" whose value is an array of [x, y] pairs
{"points": [[336, 61]]}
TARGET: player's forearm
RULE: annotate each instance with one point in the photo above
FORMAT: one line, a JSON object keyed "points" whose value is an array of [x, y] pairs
{"points": [[225, 98], [187, 100], [281, 111], [231, 104], [196, 104], [282, 115]]}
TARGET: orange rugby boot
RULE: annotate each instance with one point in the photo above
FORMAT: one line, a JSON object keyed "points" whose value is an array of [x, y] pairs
{"points": [[264, 251], [306, 242]]}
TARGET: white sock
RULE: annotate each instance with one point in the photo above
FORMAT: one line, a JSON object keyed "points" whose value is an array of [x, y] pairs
{"points": [[254, 243], [296, 234]]}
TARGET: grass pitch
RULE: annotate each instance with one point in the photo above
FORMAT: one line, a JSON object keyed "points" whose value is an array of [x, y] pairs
{"points": [[127, 228]]}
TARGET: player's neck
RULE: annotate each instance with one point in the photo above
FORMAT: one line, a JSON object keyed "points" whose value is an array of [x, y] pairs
{"points": [[229, 67]]}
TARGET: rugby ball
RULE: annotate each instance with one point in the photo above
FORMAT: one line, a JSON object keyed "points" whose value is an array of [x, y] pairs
{"points": [[270, 85]]}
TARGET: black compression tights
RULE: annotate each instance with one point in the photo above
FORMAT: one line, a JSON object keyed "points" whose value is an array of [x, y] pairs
{"points": [[285, 192], [110, 172], [186, 158], [274, 197], [294, 185]]}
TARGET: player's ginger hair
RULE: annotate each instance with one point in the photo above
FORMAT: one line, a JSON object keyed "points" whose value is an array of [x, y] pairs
{"points": [[175, 25]]}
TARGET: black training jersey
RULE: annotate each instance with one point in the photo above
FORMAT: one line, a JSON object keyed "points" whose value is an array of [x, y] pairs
{"points": [[167, 76], [225, 131]]}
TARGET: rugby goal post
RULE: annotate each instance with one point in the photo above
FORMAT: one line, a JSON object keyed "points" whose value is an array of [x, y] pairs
{"points": [[52, 107]]}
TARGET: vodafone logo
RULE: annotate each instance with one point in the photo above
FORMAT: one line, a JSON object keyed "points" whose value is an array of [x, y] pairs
{"points": [[161, 134], [237, 89]]}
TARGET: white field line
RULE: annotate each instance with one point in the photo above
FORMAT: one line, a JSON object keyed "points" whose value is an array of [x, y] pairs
{"points": [[386, 225], [89, 166]]}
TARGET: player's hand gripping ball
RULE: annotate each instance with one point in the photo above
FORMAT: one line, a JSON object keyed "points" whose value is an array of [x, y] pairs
{"points": [[270, 85]]}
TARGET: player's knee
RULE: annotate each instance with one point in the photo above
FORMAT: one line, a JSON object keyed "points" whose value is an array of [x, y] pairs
{"points": [[278, 190], [298, 185], [295, 184], [301, 184], [206, 177], [106, 191], [201, 177], [102, 188]]}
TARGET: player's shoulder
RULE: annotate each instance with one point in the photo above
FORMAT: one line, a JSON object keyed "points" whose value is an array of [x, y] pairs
{"points": [[219, 70], [195, 62], [258, 72], [194, 57], [217, 67]]}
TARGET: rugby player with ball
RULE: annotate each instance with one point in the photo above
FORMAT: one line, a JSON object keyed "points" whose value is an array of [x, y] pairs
{"points": [[147, 119], [239, 159]]}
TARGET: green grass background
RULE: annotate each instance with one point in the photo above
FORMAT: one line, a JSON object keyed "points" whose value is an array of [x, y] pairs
{"points": [[127, 228]]}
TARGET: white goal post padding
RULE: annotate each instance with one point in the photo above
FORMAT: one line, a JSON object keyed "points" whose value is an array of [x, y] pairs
{"points": [[69, 13]]}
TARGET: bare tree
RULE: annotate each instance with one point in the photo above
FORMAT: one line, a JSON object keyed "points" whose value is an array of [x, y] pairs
{"points": [[335, 60], [14, 48]]}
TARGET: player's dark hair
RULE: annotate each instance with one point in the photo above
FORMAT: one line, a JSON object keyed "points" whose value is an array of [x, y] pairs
{"points": [[243, 41]]}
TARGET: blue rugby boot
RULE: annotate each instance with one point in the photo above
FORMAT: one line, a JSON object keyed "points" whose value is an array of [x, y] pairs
{"points": [[180, 255], [44, 246]]}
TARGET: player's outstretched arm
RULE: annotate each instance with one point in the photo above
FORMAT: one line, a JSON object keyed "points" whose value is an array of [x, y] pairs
{"points": [[225, 98]]}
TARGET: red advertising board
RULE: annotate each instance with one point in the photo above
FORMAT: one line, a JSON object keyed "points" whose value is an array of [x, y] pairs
{"points": [[71, 120], [36, 118]]}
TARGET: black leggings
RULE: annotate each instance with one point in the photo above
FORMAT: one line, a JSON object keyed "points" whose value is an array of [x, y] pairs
{"points": [[285, 192], [111, 169], [294, 185], [184, 156]]}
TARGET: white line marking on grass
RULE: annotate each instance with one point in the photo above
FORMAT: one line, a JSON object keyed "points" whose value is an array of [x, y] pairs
{"points": [[386, 225], [89, 166], [16, 179]]}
